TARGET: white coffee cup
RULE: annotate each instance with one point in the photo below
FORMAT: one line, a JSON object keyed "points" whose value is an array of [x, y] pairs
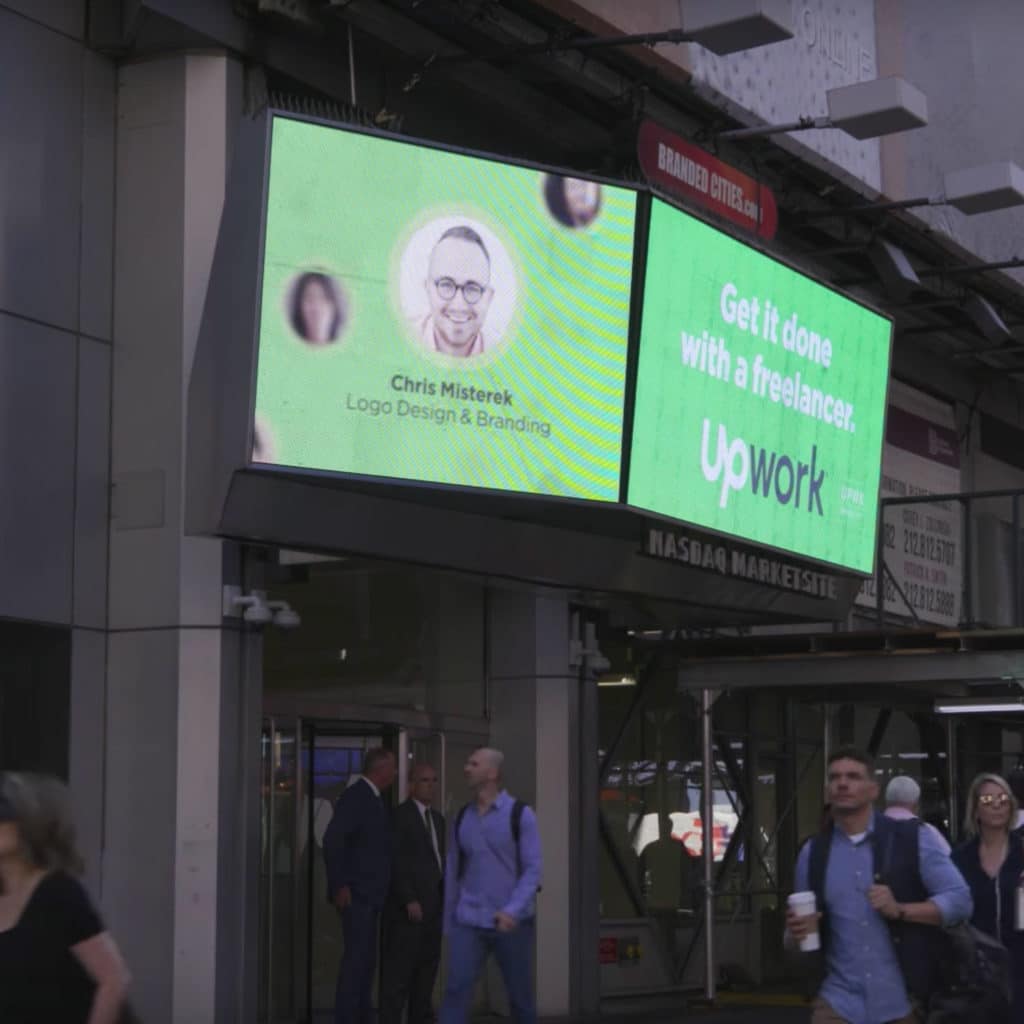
{"points": [[804, 904]]}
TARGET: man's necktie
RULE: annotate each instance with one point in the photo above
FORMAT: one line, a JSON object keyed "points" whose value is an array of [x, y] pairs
{"points": [[428, 821]]}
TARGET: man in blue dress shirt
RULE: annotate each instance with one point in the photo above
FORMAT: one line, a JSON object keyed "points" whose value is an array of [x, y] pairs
{"points": [[876, 880], [491, 880]]}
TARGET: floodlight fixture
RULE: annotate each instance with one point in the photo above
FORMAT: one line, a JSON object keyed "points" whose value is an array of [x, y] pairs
{"points": [[982, 189], [865, 110], [722, 26], [730, 26], [983, 315]]}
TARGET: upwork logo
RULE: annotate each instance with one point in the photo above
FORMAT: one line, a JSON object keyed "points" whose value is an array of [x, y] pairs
{"points": [[769, 473]]}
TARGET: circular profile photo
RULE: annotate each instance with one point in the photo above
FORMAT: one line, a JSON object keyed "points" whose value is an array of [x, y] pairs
{"points": [[458, 288], [573, 202], [262, 442], [316, 308]]}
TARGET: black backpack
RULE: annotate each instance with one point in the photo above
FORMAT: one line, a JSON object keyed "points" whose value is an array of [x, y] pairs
{"points": [[516, 822], [978, 986]]}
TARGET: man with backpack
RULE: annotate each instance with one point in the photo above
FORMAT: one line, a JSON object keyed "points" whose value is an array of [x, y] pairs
{"points": [[884, 891], [492, 877]]}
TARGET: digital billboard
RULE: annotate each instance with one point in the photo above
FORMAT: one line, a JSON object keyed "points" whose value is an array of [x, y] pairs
{"points": [[760, 398], [439, 317]]}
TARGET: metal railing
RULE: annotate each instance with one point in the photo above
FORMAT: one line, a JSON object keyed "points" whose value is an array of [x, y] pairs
{"points": [[930, 547]]}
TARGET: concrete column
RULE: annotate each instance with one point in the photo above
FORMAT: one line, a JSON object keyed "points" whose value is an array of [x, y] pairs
{"points": [[533, 720], [164, 808]]}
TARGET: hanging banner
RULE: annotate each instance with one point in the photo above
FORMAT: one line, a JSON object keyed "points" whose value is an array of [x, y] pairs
{"points": [[682, 169], [922, 542]]}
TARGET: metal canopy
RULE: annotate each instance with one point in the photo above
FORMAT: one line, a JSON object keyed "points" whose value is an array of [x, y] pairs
{"points": [[861, 660]]}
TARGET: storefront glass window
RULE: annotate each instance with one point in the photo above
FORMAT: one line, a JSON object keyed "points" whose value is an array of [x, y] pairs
{"points": [[35, 696]]}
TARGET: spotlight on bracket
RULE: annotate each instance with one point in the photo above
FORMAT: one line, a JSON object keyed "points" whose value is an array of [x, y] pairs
{"points": [[893, 267], [989, 323], [865, 110]]}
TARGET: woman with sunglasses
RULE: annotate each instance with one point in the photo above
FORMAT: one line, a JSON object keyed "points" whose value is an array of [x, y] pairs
{"points": [[992, 863]]}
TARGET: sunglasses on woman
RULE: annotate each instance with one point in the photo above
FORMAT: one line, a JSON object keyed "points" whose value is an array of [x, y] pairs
{"points": [[993, 800]]}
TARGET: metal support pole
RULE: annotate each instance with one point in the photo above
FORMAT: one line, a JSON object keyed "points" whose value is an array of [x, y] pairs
{"points": [[271, 843], [585, 992], [894, 204], [301, 843], [968, 611], [708, 822], [826, 742], [803, 124], [952, 770], [351, 67], [1016, 560], [880, 568], [402, 759]]}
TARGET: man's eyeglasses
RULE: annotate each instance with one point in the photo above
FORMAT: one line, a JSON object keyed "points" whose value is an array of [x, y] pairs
{"points": [[993, 800], [472, 292]]}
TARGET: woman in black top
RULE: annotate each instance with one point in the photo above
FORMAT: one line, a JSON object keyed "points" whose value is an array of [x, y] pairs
{"points": [[57, 963], [992, 862]]}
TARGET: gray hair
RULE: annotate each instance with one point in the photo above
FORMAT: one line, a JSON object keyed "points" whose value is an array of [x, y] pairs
{"points": [[902, 791]]}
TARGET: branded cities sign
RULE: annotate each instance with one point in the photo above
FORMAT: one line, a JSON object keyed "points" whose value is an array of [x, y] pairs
{"points": [[681, 168], [437, 317], [760, 398]]}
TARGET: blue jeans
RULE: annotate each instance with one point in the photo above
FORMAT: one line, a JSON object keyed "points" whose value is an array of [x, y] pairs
{"points": [[468, 949]]}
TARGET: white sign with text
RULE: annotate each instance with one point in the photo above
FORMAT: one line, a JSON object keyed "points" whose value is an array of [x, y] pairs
{"points": [[922, 542]]}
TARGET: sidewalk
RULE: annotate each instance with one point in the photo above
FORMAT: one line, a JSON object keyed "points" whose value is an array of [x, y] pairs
{"points": [[719, 1015], [764, 1007]]}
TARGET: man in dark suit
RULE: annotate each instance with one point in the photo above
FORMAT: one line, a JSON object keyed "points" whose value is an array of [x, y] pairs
{"points": [[357, 852], [415, 905]]}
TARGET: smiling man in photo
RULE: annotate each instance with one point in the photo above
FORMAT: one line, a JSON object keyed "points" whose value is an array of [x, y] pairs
{"points": [[459, 291]]}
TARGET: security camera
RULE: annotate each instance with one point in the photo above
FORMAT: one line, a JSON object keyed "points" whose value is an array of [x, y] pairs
{"points": [[258, 610], [285, 617], [258, 613]]}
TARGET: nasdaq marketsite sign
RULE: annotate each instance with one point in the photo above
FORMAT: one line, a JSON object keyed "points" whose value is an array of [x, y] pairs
{"points": [[439, 317], [754, 565], [680, 168], [760, 398]]}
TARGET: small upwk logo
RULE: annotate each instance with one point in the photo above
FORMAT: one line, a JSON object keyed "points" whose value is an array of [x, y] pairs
{"points": [[782, 476]]}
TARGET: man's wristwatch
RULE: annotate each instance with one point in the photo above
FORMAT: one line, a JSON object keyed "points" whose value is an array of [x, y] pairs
{"points": [[901, 912]]}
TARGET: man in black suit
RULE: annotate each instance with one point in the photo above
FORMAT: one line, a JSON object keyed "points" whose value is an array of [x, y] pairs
{"points": [[415, 905], [357, 852]]}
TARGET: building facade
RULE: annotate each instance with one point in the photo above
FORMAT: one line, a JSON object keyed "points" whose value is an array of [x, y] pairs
{"points": [[203, 750]]}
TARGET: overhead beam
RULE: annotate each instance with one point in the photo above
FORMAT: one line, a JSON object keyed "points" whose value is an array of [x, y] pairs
{"points": [[530, 106], [835, 670]]}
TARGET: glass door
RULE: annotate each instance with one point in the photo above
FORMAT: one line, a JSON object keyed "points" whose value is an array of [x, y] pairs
{"points": [[305, 767], [306, 764], [336, 758], [284, 753]]}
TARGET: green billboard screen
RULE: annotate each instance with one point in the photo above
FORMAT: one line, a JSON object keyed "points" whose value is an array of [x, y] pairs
{"points": [[760, 398], [439, 317]]}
